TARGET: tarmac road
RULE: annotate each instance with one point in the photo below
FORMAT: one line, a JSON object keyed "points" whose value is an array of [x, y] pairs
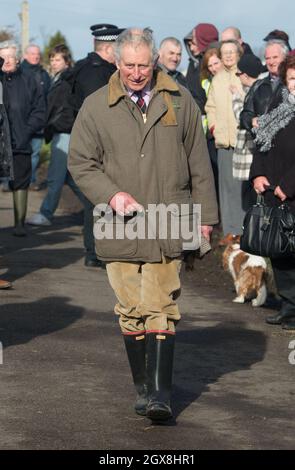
{"points": [[65, 382]]}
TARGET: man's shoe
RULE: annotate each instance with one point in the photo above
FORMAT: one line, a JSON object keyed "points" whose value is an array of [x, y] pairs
{"points": [[34, 187], [5, 284], [94, 263], [289, 325], [38, 219], [158, 411], [277, 319], [19, 231], [38, 186]]}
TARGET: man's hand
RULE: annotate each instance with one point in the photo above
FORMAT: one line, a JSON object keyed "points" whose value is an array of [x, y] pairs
{"points": [[255, 122], [260, 184], [125, 204], [206, 231], [278, 192]]}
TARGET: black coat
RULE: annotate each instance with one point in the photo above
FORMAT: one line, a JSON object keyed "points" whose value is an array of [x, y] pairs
{"points": [[193, 78], [89, 75], [25, 106], [42, 79], [246, 48], [278, 165], [194, 85], [258, 101], [177, 76], [39, 73], [60, 115], [6, 168]]}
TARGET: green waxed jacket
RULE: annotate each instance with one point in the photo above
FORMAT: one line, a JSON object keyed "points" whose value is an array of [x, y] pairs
{"points": [[163, 160]]}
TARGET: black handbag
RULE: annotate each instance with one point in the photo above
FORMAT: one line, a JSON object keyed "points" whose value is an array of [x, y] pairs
{"points": [[268, 231]]}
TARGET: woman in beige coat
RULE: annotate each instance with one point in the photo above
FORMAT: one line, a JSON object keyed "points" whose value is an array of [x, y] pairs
{"points": [[223, 126]]}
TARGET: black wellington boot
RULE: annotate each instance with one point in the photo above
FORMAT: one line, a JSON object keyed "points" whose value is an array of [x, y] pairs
{"points": [[160, 349], [135, 347]]}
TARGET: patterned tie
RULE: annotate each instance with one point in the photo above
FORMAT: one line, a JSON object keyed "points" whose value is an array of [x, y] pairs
{"points": [[140, 102]]}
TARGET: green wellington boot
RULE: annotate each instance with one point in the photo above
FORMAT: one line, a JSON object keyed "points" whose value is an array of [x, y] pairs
{"points": [[20, 199], [160, 350], [135, 347]]}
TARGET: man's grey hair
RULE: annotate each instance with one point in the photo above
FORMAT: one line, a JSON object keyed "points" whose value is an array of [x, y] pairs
{"points": [[11, 45], [8, 43], [29, 46], [172, 39], [281, 43], [136, 37]]}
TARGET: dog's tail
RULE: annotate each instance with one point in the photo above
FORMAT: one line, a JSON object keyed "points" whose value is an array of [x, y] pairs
{"points": [[261, 296], [260, 288]]}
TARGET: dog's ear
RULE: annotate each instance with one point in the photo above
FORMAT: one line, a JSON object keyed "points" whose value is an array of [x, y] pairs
{"points": [[236, 239]]}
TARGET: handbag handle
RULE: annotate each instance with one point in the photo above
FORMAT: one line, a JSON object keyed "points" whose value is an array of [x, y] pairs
{"points": [[260, 196], [260, 199]]}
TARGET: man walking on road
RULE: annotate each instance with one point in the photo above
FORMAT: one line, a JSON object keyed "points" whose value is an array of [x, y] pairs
{"points": [[136, 142]]}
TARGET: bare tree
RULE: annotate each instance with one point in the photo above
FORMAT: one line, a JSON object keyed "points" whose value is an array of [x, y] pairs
{"points": [[6, 34]]}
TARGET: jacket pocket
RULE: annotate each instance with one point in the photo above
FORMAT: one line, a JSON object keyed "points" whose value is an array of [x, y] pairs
{"points": [[183, 227], [114, 236]]}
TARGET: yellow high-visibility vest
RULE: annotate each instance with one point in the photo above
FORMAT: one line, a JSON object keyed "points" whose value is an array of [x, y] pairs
{"points": [[205, 85]]}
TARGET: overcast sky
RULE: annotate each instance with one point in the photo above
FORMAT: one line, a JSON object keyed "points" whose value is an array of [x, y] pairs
{"points": [[255, 18]]}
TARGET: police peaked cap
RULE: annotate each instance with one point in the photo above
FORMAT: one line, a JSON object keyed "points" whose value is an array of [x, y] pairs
{"points": [[105, 32]]}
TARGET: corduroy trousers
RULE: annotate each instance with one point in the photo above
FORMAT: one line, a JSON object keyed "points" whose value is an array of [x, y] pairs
{"points": [[146, 294]]}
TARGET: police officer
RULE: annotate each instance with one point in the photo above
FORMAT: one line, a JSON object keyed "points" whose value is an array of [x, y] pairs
{"points": [[90, 74], [95, 70]]}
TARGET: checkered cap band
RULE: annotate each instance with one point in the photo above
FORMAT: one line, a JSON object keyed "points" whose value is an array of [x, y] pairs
{"points": [[107, 37]]}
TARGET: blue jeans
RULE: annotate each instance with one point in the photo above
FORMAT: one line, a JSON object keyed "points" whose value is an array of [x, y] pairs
{"points": [[57, 176], [36, 144]]}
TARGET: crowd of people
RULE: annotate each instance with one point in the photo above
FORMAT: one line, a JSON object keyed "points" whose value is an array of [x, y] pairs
{"points": [[222, 132]]}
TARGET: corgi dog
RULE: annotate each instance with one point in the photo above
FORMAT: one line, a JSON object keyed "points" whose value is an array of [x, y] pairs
{"points": [[248, 272]]}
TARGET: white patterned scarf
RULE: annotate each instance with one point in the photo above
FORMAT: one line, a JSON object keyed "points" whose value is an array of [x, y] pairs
{"points": [[269, 124]]}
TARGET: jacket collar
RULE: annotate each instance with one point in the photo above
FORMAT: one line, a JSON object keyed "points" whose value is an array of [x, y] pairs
{"points": [[34, 67], [10, 75], [96, 59], [162, 83]]}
